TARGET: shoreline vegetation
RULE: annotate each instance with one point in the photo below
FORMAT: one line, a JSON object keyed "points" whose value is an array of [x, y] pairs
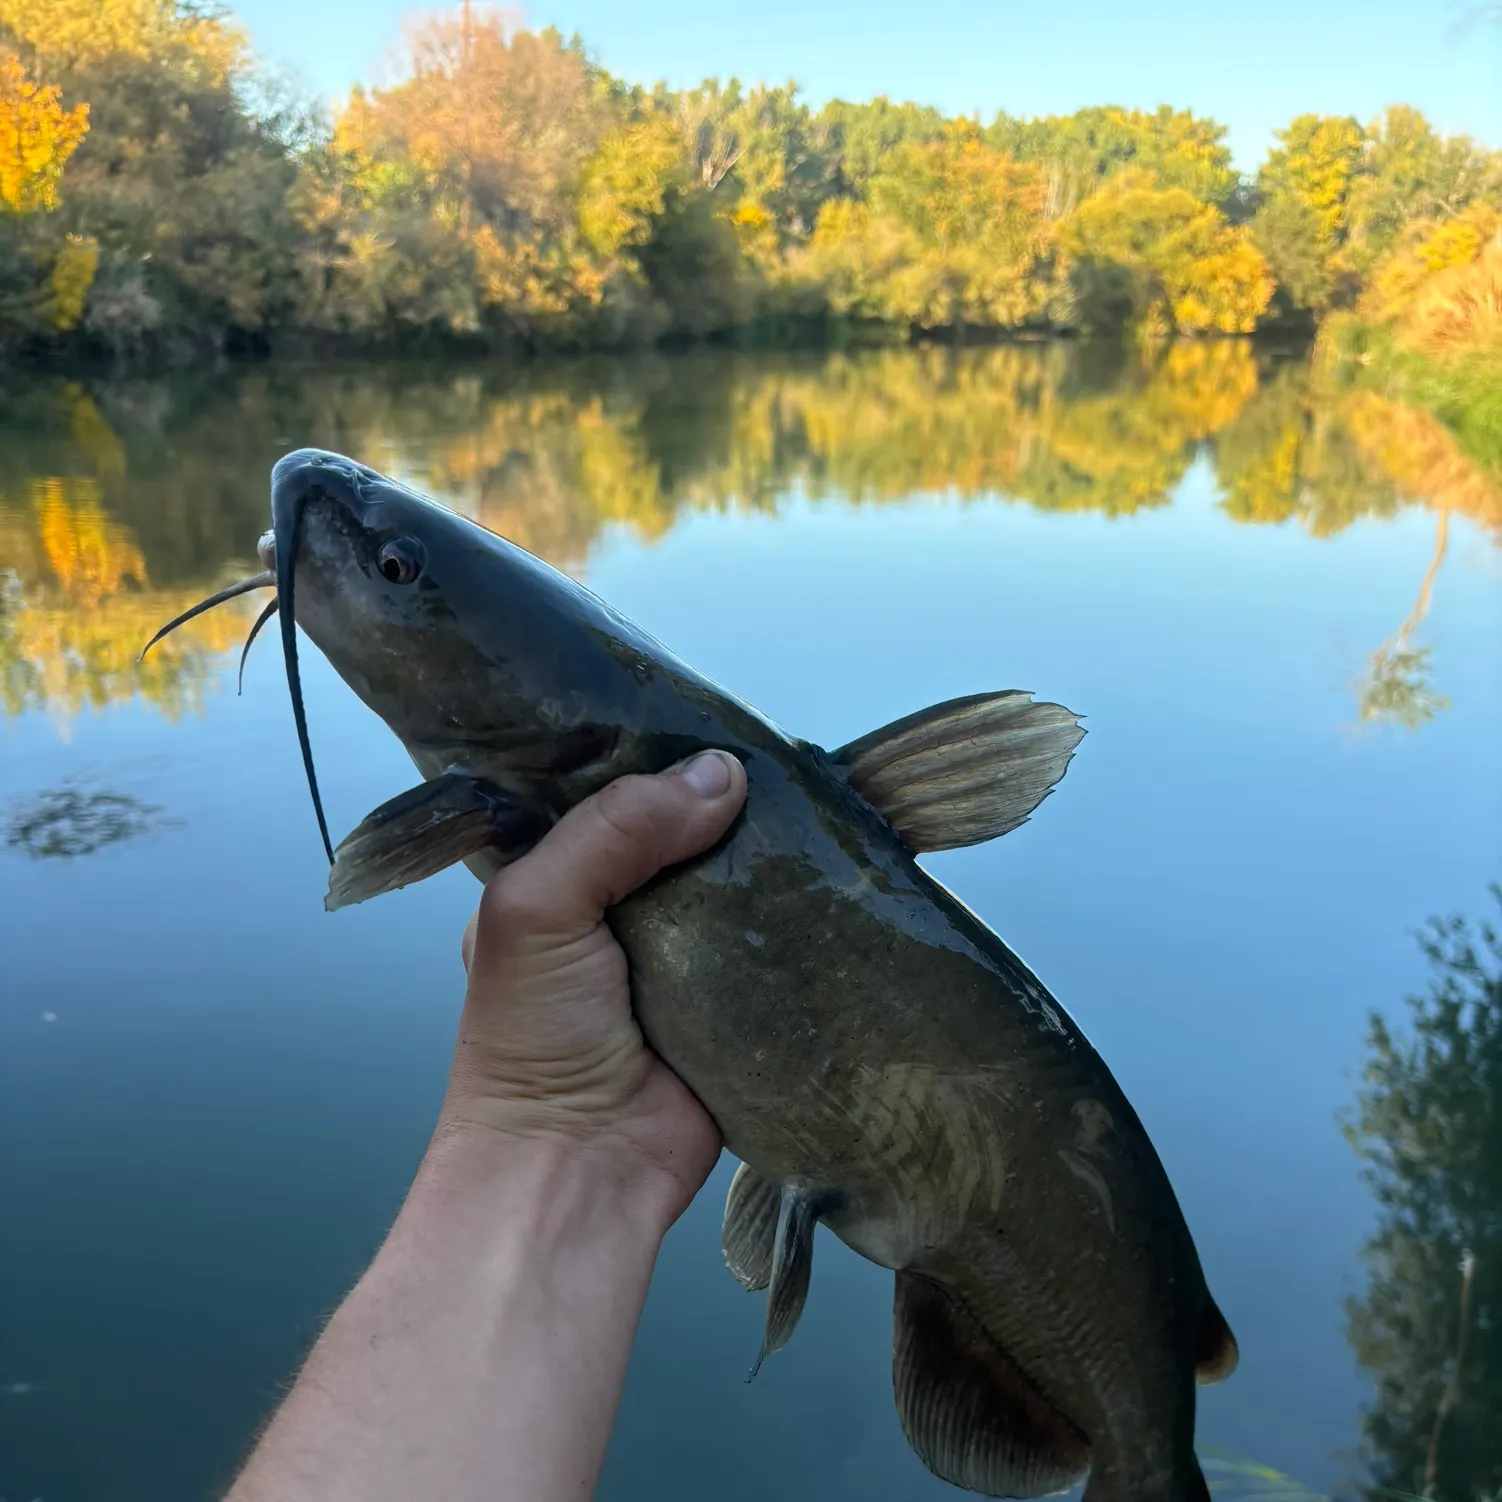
{"points": [[163, 201]]}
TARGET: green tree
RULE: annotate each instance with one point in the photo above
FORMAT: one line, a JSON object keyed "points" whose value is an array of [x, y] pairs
{"points": [[1084, 150], [862, 136], [1304, 213]]}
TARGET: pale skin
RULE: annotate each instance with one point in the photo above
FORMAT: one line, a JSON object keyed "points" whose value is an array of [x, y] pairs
{"points": [[483, 1352]]}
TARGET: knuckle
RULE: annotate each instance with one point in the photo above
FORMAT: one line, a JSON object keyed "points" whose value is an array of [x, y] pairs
{"points": [[513, 905]]}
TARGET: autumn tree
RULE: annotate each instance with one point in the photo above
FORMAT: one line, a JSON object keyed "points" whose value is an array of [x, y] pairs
{"points": [[1335, 197], [37, 136], [1303, 219], [1082, 151], [1411, 175], [1163, 259], [44, 276], [507, 192], [449, 198], [860, 137], [952, 234], [183, 191], [669, 257]]}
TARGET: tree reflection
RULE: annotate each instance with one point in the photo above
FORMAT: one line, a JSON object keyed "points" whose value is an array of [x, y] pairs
{"points": [[76, 607], [62, 823], [121, 502], [1397, 682], [1429, 1126]]}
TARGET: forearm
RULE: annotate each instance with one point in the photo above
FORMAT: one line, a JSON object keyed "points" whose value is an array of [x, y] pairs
{"points": [[483, 1352]]}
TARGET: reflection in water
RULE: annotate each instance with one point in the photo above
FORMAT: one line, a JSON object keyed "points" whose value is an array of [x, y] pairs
{"points": [[1397, 683], [1429, 1328], [1239, 1480], [61, 823], [76, 607], [120, 506]]}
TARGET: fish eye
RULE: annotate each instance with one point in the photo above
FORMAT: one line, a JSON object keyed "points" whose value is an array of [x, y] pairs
{"points": [[400, 560]]}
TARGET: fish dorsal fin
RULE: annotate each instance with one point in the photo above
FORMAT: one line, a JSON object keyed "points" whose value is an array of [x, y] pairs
{"points": [[750, 1228], [792, 1263], [971, 1413], [1218, 1354], [963, 771]]}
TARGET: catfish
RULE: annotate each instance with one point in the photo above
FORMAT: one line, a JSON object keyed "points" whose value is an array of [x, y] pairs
{"points": [[878, 1060]]}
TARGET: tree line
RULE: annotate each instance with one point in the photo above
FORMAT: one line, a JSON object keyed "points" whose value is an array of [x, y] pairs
{"points": [[158, 197]]}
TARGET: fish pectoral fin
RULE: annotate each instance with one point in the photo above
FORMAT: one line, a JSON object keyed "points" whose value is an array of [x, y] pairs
{"points": [[792, 1262], [972, 1414], [963, 771], [1218, 1353], [750, 1228], [424, 831]]}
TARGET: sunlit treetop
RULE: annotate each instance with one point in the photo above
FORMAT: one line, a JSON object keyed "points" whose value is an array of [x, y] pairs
{"points": [[66, 35], [37, 136]]}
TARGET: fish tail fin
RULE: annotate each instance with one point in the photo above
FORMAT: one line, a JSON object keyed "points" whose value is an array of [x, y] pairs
{"points": [[1185, 1482]]}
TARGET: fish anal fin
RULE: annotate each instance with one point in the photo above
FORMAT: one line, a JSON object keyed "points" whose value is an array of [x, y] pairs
{"points": [[972, 1414], [963, 771], [1217, 1354], [424, 831], [798, 1211], [750, 1228]]}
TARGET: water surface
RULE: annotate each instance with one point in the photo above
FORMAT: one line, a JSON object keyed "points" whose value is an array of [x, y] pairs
{"points": [[1275, 600]]}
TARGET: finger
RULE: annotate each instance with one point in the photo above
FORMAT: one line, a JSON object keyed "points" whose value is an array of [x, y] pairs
{"points": [[467, 943], [611, 843]]}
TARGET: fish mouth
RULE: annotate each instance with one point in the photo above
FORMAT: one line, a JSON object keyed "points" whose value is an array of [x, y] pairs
{"points": [[296, 479], [299, 477]]}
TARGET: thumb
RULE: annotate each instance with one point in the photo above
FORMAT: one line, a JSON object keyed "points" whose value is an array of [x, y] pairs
{"points": [[606, 847]]}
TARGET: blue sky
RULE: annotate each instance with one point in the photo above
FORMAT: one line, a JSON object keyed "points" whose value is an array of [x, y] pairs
{"points": [[1252, 64]]}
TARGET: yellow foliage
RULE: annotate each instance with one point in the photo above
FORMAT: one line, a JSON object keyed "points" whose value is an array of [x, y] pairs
{"points": [[1422, 459], [624, 187], [37, 136], [72, 276], [79, 609], [954, 233], [1306, 448], [86, 554], [70, 34], [1425, 251], [1227, 289], [1458, 312], [1455, 242], [1192, 272], [1318, 158]]}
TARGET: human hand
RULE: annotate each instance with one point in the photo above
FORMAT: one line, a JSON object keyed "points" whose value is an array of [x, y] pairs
{"points": [[548, 1048], [489, 1337]]}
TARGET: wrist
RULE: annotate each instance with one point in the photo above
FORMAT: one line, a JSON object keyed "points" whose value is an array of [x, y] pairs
{"points": [[563, 1176]]}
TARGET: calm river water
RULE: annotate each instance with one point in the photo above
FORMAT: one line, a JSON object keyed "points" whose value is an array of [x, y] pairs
{"points": [[1277, 601]]}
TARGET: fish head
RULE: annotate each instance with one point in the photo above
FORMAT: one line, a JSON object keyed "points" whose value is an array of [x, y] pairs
{"points": [[476, 654], [381, 578]]}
